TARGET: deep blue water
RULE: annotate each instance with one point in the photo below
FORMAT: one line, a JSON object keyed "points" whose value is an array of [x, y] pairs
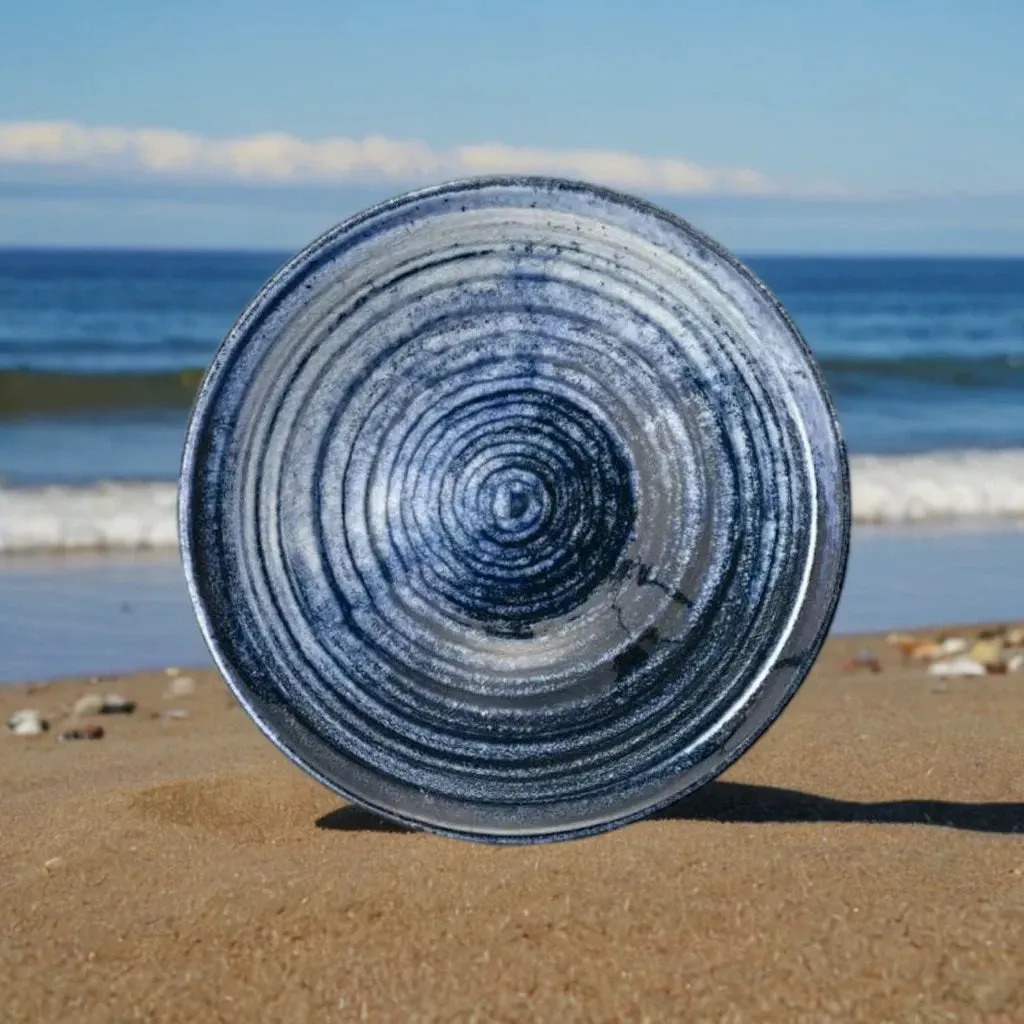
{"points": [[920, 354]]}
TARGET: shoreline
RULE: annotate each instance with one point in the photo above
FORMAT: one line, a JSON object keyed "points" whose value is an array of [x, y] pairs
{"points": [[861, 862], [97, 614]]}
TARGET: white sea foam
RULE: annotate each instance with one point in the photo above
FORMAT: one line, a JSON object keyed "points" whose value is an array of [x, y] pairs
{"points": [[120, 516], [887, 490], [907, 489]]}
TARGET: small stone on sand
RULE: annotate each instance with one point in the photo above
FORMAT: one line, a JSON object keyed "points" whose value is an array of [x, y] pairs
{"points": [[114, 705], [986, 652], [956, 668], [88, 732], [929, 650], [27, 722], [952, 645]]}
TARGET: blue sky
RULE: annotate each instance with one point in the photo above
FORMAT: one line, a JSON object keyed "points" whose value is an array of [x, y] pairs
{"points": [[877, 125]]}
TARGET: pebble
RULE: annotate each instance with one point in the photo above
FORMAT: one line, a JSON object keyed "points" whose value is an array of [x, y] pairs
{"points": [[90, 704], [172, 670], [172, 714], [956, 667], [952, 645], [906, 643], [1015, 637], [986, 652], [27, 722], [1016, 663], [89, 732], [181, 686], [114, 705], [929, 650], [53, 863]]}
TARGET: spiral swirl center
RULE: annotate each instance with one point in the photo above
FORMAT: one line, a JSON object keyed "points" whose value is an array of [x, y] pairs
{"points": [[521, 505]]}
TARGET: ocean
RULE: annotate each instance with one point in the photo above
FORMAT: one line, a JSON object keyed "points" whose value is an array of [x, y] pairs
{"points": [[100, 354]]}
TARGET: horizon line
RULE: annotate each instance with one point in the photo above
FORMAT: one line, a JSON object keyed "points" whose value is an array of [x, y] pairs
{"points": [[287, 252]]}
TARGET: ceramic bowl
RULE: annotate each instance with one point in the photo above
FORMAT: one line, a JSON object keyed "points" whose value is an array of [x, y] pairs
{"points": [[514, 509]]}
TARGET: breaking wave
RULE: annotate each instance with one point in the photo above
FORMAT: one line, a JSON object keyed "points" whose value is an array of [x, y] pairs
{"points": [[887, 490]]}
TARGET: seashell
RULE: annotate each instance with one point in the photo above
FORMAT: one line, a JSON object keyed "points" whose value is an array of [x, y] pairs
{"points": [[956, 667], [27, 722], [986, 652], [89, 704], [952, 645], [172, 670], [1015, 663], [514, 509]]}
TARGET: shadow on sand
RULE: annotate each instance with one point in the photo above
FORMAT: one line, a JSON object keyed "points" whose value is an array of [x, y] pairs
{"points": [[740, 802]]}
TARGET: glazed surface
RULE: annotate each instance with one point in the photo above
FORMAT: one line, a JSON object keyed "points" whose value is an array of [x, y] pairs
{"points": [[514, 509]]}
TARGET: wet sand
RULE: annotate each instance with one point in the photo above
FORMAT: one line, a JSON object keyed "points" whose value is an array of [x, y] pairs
{"points": [[127, 611], [864, 862]]}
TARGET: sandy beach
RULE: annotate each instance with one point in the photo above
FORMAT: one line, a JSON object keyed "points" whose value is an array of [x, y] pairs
{"points": [[864, 862]]}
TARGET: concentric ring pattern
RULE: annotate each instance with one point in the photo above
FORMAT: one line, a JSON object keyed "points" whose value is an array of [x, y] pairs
{"points": [[514, 509]]}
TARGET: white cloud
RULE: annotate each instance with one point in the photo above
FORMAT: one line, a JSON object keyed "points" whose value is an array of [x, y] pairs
{"points": [[282, 159]]}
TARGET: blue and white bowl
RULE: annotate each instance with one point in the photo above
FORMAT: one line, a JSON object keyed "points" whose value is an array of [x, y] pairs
{"points": [[514, 509]]}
